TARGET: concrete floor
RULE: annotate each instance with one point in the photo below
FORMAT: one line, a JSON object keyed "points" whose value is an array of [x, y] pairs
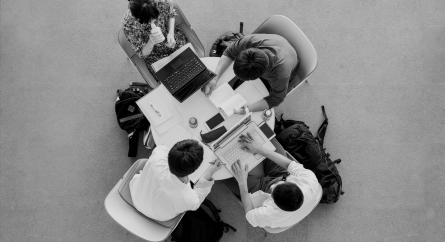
{"points": [[380, 75]]}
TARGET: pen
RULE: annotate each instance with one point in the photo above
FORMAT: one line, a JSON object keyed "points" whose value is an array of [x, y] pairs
{"points": [[159, 113]]}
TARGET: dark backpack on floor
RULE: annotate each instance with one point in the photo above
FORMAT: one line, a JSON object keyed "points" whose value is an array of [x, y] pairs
{"points": [[129, 116], [224, 41], [199, 226], [297, 139]]}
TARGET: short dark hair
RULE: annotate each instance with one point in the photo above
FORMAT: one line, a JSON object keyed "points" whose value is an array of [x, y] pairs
{"points": [[144, 10], [185, 157], [250, 64], [288, 196]]}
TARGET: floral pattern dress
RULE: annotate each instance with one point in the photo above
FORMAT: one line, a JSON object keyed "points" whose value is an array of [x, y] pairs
{"points": [[138, 34]]}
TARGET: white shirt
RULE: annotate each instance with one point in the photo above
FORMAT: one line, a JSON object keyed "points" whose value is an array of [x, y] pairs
{"points": [[270, 215], [159, 194]]}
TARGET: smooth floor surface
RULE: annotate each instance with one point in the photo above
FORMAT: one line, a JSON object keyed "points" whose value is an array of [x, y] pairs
{"points": [[380, 76]]}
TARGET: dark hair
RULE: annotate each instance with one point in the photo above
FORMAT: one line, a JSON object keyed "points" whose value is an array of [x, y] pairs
{"points": [[250, 64], [288, 196], [185, 157], [144, 10]]}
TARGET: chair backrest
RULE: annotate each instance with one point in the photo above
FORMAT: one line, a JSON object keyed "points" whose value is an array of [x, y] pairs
{"points": [[307, 209], [183, 24], [123, 212], [283, 26]]}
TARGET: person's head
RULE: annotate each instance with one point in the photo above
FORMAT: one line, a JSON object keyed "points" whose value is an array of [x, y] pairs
{"points": [[143, 10], [185, 157], [287, 196], [250, 64]]}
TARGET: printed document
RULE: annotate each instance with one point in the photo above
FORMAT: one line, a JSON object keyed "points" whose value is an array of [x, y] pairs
{"points": [[225, 98]]}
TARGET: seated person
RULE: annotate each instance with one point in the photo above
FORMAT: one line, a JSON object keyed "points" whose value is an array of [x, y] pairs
{"points": [[269, 57], [137, 27], [163, 189], [291, 186]]}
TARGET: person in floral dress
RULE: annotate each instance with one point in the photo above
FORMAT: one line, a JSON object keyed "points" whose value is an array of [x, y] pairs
{"points": [[141, 18]]}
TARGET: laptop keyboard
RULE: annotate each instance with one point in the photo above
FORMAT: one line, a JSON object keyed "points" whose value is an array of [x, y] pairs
{"points": [[196, 84], [235, 152], [178, 78]]}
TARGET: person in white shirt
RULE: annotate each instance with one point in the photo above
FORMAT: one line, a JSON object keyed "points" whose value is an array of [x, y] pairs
{"points": [[292, 188], [163, 190]]}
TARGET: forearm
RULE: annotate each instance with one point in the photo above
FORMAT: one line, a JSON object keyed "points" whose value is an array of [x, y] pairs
{"points": [[171, 26], [245, 197], [277, 158], [223, 63], [258, 106], [208, 176], [146, 50]]}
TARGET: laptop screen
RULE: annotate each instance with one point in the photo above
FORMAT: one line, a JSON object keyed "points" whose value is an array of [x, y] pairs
{"points": [[245, 120]]}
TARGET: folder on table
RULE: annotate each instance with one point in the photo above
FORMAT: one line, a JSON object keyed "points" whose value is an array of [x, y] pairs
{"points": [[161, 113]]}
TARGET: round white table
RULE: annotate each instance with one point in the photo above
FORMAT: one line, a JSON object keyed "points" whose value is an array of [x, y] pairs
{"points": [[200, 107]]}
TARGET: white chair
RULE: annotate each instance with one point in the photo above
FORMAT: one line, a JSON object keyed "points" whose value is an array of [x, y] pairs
{"points": [[283, 26], [182, 23], [119, 205]]}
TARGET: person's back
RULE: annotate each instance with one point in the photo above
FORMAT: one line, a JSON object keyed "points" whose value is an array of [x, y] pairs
{"points": [[162, 190]]}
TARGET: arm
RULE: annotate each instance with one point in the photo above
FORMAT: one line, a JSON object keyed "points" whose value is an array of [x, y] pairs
{"points": [[254, 107], [278, 88], [240, 175], [253, 147], [223, 63], [205, 183], [171, 42]]}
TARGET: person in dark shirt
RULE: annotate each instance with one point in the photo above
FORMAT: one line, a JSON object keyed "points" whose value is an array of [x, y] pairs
{"points": [[269, 57]]}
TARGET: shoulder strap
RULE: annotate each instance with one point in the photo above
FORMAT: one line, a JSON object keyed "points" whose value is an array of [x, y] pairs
{"points": [[213, 209], [322, 129]]}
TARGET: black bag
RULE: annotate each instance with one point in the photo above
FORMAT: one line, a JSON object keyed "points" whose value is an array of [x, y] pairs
{"points": [[199, 226], [297, 139], [129, 116], [224, 41]]}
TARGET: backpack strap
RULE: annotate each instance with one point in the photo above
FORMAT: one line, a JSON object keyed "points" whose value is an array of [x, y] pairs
{"points": [[215, 211], [322, 129]]}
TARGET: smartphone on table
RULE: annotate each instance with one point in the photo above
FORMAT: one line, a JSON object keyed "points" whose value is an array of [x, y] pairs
{"points": [[268, 132], [214, 121]]}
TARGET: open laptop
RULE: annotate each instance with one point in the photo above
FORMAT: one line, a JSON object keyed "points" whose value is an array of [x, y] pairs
{"points": [[184, 75], [228, 149]]}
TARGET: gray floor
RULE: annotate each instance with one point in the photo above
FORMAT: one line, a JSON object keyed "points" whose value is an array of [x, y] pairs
{"points": [[380, 75]]}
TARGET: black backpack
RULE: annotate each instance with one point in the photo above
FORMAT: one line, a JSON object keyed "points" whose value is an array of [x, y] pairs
{"points": [[297, 139], [199, 226], [129, 116], [223, 41]]}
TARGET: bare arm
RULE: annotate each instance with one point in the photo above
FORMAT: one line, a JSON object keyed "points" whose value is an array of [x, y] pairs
{"points": [[252, 146], [171, 26], [240, 175], [258, 106], [223, 63]]}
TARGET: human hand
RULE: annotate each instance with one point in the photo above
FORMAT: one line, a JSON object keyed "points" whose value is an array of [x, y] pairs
{"points": [[171, 42], [156, 35], [241, 111], [239, 172], [210, 86], [214, 166], [250, 145]]}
